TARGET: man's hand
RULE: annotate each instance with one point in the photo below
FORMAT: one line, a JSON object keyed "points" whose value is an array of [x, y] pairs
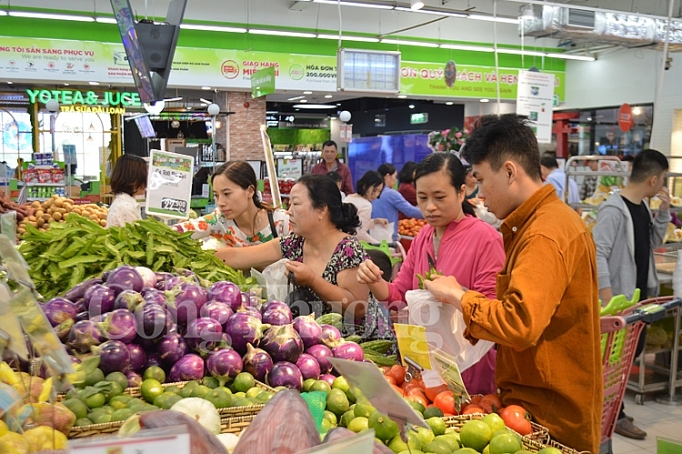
{"points": [[664, 195], [445, 289], [304, 275]]}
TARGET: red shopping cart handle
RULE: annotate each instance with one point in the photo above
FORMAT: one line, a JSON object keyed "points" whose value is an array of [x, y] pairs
{"points": [[612, 323]]}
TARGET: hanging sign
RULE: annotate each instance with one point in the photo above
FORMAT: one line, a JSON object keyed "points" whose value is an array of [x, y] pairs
{"points": [[169, 185], [263, 82], [534, 99], [625, 120]]}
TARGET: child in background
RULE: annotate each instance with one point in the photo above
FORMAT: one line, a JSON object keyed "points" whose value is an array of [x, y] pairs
{"points": [[338, 179]]}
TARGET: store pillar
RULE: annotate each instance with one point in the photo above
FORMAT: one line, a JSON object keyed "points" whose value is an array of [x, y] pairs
{"points": [[244, 140]]}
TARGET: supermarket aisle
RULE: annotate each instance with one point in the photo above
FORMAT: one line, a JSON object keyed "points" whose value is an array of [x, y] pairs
{"points": [[654, 418]]}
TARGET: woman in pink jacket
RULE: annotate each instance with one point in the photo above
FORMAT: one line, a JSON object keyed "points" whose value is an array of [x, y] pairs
{"points": [[455, 241]]}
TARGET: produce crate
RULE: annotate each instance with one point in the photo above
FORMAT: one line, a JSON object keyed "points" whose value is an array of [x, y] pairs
{"points": [[107, 428], [235, 425], [539, 435], [536, 446]]}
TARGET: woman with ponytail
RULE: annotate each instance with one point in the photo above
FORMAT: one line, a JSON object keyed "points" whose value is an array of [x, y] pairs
{"points": [[240, 218]]}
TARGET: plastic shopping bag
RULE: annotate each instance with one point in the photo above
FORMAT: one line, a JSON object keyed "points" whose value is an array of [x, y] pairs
{"points": [[274, 279], [444, 328], [382, 232]]}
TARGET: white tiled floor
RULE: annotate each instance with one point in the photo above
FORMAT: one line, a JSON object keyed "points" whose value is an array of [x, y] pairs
{"points": [[654, 418]]}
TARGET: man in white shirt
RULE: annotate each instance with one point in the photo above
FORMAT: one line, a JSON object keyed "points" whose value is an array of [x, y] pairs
{"points": [[552, 174]]}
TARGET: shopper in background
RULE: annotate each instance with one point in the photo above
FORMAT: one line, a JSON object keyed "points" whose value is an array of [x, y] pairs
{"points": [[369, 188], [330, 162], [552, 174], [240, 217], [406, 179], [128, 179], [626, 234], [457, 243], [391, 202], [471, 184], [545, 318], [590, 182], [338, 179]]}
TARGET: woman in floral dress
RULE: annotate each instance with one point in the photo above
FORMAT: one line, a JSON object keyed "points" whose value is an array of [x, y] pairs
{"points": [[323, 255], [240, 218]]}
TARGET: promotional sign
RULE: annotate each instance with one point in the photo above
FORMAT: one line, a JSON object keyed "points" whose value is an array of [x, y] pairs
{"points": [[625, 119], [169, 185], [55, 60], [263, 82], [346, 133], [289, 168], [534, 99]]}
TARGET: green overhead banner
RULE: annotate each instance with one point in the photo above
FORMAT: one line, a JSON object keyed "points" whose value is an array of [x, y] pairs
{"points": [[263, 82]]}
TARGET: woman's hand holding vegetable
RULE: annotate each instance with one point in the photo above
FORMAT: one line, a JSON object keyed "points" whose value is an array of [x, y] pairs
{"points": [[445, 289], [371, 275]]}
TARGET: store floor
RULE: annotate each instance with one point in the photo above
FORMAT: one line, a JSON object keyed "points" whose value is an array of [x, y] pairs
{"points": [[655, 419]]}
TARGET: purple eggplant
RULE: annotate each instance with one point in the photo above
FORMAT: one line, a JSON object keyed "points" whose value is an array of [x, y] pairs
{"points": [[251, 311], [203, 334], [309, 330], [257, 362], [80, 305], [187, 300], [138, 357], [243, 328], [58, 310], [79, 290], [84, 335], [134, 379], [151, 320], [155, 296], [329, 378], [125, 278], [119, 325], [99, 299], [321, 353], [308, 366], [147, 275], [128, 299], [64, 329], [277, 315], [285, 374], [282, 343], [189, 367], [85, 315], [348, 350], [154, 360], [224, 365], [113, 357], [226, 292], [171, 348], [218, 311], [331, 336], [274, 305]]}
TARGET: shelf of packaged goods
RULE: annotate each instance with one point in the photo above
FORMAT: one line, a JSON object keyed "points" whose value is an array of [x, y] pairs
{"points": [[38, 185], [39, 199]]}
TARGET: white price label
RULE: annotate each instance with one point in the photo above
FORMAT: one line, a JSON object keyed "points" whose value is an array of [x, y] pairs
{"points": [[157, 444]]}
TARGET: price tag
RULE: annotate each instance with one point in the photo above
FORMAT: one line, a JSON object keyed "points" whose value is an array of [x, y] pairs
{"points": [[361, 443], [169, 185], [161, 441], [447, 369], [412, 344]]}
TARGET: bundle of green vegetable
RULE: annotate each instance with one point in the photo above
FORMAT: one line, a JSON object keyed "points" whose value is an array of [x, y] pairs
{"points": [[79, 249]]}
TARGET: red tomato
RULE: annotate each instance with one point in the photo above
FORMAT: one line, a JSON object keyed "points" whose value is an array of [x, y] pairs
{"points": [[490, 403], [390, 379], [418, 398], [517, 418], [445, 401], [398, 389], [398, 374], [431, 393], [476, 398], [470, 409]]}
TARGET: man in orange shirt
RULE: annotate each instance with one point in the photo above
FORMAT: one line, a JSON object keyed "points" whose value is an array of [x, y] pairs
{"points": [[546, 315]]}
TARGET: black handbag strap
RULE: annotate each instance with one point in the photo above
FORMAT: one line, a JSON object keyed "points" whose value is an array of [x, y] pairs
{"points": [[271, 220]]}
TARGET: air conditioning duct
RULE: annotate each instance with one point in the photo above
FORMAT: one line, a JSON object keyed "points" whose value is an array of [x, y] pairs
{"points": [[627, 30]]}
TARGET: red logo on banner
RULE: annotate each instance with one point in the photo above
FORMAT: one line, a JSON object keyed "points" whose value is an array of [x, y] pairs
{"points": [[625, 120]]}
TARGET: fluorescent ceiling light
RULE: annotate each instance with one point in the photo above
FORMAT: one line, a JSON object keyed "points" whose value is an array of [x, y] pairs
{"points": [[432, 11], [502, 20], [416, 4], [213, 28], [328, 96], [208, 102], [362, 39], [257, 31], [177, 98], [205, 87], [571, 57], [34, 15], [10, 83], [362, 5], [465, 47], [295, 98], [93, 83], [314, 106], [3, 13], [411, 106], [402, 96], [105, 20], [303, 101], [408, 43], [531, 53], [485, 100], [449, 103], [307, 92]]}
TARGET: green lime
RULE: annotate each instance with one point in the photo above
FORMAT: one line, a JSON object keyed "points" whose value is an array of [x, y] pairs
{"points": [[437, 425], [100, 418], [331, 417], [325, 426], [384, 427], [163, 397], [425, 436], [307, 383], [186, 391], [466, 451], [549, 450], [475, 434], [118, 402], [243, 382], [346, 418], [419, 408], [151, 388], [438, 447], [135, 401], [397, 445], [220, 397], [320, 385], [239, 395], [264, 397], [172, 400], [109, 389], [83, 422], [96, 400], [504, 443], [341, 383], [154, 372], [453, 442], [211, 382], [93, 377], [200, 391], [358, 424], [364, 409], [77, 407], [122, 414], [241, 402], [172, 389], [431, 412], [495, 422], [253, 393], [118, 377], [354, 394], [337, 402]]}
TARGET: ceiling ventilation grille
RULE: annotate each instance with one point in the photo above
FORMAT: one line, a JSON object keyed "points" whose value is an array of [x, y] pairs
{"points": [[581, 18]]}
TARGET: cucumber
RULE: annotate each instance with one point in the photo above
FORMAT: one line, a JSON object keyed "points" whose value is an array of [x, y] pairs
{"points": [[353, 338], [330, 319], [381, 360], [376, 346]]}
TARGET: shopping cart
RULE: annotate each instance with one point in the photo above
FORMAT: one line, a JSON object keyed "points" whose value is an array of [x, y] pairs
{"points": [[622, 322]]}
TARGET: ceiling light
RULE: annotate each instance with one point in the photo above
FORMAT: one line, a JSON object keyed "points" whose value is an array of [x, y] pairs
{"points": [[408, 43], [360, 4], [527, 12], [416, 4], [328, 96], [411, 106], [105, 20], [530, 53], [362, 39], [66, 84], [93, 83], [188, 108], [465, 47], [34, 15], [213, 28], [402, 96], [10, 83], [333, 118], [485, 100], [177, 98], [449, 103], [502, 20], [437, 12], [307, 92], [295, 98], [208, 102], [571, 57], [3, 13], [303, 100], [637, 110], [257, 31], [205, 87], [314, 106]]}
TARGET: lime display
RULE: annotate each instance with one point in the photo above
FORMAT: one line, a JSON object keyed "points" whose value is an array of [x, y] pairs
{"points": [[243, 382], [437, 425], [118, 377], [320, 385], [384, 428], [151, 388], [337, 402], [95, 376], [504, 443], [475, 434], [358, 424], [200, 391], [77, 407], [154, 372], [221, 397], [432, 412]]}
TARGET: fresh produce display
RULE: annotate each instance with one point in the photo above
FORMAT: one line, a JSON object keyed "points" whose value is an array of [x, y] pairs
{"points": [[72, 252], [410, 227], [285, 185], [23, 210], [55, 209]]}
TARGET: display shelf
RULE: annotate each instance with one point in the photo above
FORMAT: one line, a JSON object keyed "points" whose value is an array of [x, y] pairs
{"points": [[37, 185], [39, 199]]}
